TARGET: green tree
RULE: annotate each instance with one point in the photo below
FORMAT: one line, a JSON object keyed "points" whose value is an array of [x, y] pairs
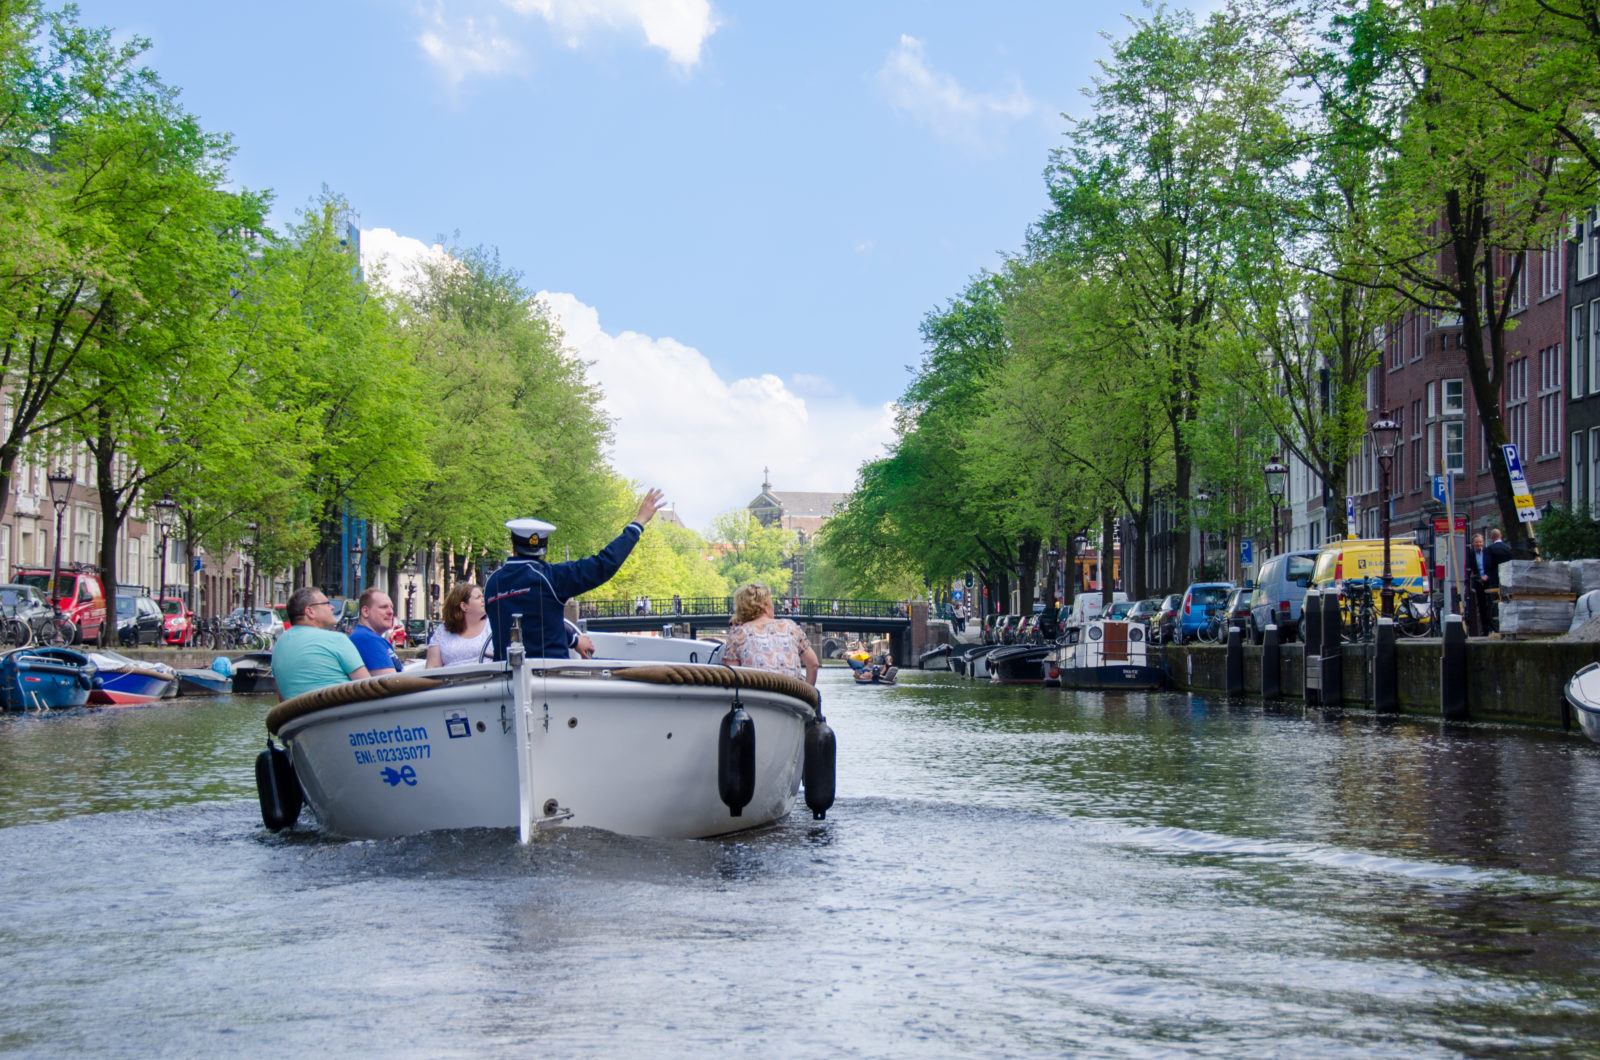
{"points": [[749, 552]]}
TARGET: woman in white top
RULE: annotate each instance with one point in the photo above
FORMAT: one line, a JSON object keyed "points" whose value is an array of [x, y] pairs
{"points": [[464, 635]]}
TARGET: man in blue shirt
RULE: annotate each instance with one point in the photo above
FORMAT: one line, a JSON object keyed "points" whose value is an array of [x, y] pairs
{"points": [[311, 654], [539, 591], [375, 618]]}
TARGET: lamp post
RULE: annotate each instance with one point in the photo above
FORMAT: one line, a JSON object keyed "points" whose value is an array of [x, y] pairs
{"points": [[60, 493], [1384, 434], [165, 512], [1202, 501], [1053, 561], [355, 567], [1277, 476], [1079, 541], [249, 544]]}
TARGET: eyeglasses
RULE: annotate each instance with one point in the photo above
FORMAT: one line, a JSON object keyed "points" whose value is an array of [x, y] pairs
{"points": [[319, 603]]}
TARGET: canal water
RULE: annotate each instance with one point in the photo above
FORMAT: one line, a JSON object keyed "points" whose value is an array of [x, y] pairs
{"points": [[1007, 872]]}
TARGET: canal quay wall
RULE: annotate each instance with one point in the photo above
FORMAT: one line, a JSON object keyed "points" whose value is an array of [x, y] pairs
{"points": [[1507, 681]]}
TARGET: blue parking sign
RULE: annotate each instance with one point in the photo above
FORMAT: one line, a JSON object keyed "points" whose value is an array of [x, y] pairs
{"points": [[1246, 551]]}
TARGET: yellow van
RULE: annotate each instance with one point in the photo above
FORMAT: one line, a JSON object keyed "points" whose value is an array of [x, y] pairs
{"points": [[1362, 557]]}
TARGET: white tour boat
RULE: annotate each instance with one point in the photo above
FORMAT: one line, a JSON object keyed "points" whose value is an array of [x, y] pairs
{"points": [[652, 742], [1108, 654]]}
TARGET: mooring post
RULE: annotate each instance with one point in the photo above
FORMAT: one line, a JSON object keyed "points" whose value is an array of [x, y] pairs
{"points": [[1385, 672], [1271, 678], [1311, 636], [1234, 676], [1332, 652], [1453, 670]]}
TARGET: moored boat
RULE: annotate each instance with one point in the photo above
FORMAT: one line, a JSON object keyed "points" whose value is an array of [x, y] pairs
{"points": [[935, 658], [45, 679], [1583, 694], [647, 748], [252, 674], [1019, 664], [203, 681], [123, 682], [1107, 654]]}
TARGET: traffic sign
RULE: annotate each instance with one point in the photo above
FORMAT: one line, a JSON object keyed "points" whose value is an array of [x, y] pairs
{"points": [[1350, 516], [1246, 552], [1521, 496]]}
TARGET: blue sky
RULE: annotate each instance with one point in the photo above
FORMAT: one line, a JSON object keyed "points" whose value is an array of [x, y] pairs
{"points": [[740, 211]]}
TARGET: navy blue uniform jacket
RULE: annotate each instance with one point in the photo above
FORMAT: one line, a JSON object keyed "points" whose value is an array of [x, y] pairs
{"points": [[539, 591]]}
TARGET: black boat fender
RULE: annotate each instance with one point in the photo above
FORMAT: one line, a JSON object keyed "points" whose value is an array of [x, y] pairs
{"points": [[736, 757], [278, 788], [817, 772]]}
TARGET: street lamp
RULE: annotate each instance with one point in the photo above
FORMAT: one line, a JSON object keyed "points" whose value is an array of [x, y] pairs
{"points": [[248, 544], [355, 566], [1202, 502], [1384, 434], [60, 493], [1277, 476], [1079, 543], [165, 512]]}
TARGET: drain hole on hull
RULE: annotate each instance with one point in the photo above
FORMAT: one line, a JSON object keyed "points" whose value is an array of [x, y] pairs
{"points": [[572, 723], [550, 807]]}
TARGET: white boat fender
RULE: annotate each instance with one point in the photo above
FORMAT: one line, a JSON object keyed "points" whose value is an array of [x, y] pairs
{"points": [[736, 755], [818, 771], [278, 788]]}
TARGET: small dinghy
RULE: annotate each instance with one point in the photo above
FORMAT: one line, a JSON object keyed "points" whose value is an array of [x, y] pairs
{"points": [[45, 679], [1583, 693], [877, 675], [123, 682], [197, 681], [252, 674], [660, 749]]}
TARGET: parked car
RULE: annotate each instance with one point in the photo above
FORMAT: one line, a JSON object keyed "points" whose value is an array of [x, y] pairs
{"points": [[1144, 611], [23, 602], [1280, 594], [1363, 558], [80, 596], [139, 619], [1118, 611], [1236, 611], [1164, 626], [1008, 629], [265, 620], [990, 633], [177, 621], [1199, 600], [417, 631]]}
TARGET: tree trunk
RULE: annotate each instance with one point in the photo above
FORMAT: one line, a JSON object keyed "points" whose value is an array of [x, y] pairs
{"points": [[1027, 561], [1108, 556]]}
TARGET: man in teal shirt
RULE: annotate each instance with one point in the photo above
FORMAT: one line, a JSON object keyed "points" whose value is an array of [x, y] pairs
{"points": [[310, 654]]}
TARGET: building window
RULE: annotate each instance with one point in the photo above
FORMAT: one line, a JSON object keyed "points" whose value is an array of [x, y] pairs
{"points": [[1451, 400], [1576, 473], [1517, 404], [1552, 264], [1594, 347], [1433, 407], [1517, 279], [1594, 470], [1580, 350], [1589, 244], [1550, 425], [1455, 441]]}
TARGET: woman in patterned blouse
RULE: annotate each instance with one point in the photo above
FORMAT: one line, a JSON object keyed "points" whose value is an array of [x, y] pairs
{"points": [[758, 639]]}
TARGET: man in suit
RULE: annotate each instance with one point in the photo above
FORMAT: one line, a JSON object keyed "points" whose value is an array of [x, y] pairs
{"points": [[1477, 588], [1494, 555]]}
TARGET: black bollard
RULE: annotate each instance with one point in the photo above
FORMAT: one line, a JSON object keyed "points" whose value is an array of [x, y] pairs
{"points": [[1453, 670], [1332, 652], [1311, 638], [1234, 671], [1271, 678], [1385, 670]]}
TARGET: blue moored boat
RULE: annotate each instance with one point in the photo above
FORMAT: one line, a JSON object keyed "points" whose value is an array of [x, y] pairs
{"points": [[45, 679]]}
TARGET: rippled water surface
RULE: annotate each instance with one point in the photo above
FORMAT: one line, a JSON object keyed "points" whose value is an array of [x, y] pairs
{"points": [[1007, 872]]}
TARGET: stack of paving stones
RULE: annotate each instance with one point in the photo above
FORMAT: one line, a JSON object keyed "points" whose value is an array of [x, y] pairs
{"points": [[1536, 598]]}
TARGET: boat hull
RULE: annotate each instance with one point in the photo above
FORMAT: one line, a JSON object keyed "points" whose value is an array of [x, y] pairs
{"points": [[935, 658], [1126, 678], [1583, 695], [113, 689], [45, 679], [1019, 665], [627, 757], [201, 682], [252, 674]]}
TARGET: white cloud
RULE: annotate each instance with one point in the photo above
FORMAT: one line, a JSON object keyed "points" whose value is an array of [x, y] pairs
{"points": [[704, 439], [464, 44], [395, 259], [940, 102], [469, 46]]}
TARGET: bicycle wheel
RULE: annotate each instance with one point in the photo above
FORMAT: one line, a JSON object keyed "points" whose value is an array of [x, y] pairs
{"points": [[15, 633]]}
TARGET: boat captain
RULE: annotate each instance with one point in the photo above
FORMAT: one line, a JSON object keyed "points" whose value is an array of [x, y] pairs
{"points": [[535, 592]]}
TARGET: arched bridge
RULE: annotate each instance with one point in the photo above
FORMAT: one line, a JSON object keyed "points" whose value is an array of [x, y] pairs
{"points": [[891, 618]]}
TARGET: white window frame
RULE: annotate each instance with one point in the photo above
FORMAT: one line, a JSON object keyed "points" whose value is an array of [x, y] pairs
{"points": [[1552, 264], [1459, 406], [1575, 464], [1594, 470], [1453, 431], [1579, 350], [1433, 407], [1594, 346]]}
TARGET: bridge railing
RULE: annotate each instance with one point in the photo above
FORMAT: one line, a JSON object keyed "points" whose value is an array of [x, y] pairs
{"points": [[693, 606]]}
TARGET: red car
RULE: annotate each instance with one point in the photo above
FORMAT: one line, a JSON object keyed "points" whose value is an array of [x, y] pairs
{"points": [[80, 596], [177, 622]]}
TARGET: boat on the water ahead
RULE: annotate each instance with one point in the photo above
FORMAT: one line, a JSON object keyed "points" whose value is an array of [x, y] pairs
{"points": [[252, 674], [123, 682], [877, 675], [45, 678], [1583, 695], [1107, 654], [203, 681], [935, 658], [668, 749], [1019, 664]]}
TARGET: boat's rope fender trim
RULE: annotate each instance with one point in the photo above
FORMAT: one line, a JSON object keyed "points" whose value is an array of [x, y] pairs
{"points": [[741, 677], [339, 695]]}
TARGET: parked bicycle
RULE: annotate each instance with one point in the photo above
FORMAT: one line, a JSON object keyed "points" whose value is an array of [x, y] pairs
{"points": [[1359, 609], [217, 635], [47, 629]]}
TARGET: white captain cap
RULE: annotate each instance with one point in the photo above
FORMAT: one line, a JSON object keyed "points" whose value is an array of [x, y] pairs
{"points": [[529, 533]]}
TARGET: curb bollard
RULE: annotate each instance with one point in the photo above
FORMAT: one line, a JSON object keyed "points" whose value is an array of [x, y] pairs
{"points": [[1311, 630], [1234, 679], [1271, 676], [1385, 673], [1332, 652], [1453, 670]]}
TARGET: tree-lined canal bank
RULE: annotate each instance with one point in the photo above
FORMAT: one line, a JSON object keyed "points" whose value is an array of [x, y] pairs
{"points": [[1008, 871]]}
